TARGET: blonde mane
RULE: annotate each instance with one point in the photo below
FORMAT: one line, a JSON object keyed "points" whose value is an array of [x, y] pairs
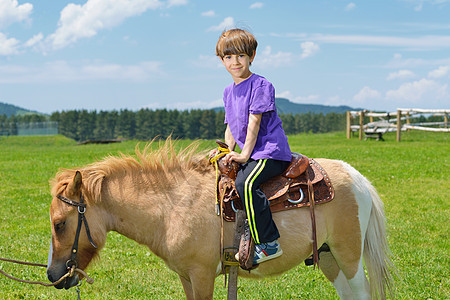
{"points": [[157, 165]]}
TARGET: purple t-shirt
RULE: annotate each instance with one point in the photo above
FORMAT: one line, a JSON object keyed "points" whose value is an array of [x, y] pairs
{"points": [[256, 95]]}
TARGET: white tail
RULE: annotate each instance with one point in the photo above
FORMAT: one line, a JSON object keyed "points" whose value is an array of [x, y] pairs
{"points": [[376, 251]]}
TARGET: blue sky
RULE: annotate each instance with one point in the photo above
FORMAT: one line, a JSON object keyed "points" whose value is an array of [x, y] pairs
{"points": [[133, 54]]}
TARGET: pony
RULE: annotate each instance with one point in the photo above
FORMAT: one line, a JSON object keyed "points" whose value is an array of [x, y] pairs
{"points": [[165, 199]]}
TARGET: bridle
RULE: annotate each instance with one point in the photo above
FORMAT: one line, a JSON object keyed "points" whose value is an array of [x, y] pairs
{"points": [[81, 219]]}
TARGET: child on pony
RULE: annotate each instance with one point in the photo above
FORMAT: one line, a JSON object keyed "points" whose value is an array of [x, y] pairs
{"points": [[254, 125]]}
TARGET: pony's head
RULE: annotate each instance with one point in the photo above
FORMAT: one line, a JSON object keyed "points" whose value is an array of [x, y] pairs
{"points": [[80, 198], [76, 229]]}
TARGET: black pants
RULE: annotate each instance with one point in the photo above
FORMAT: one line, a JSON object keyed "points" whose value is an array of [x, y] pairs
{"points": [[249, 178]]}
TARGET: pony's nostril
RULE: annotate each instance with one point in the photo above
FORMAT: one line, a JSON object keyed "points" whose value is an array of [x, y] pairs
{"points": [[49, 276]]}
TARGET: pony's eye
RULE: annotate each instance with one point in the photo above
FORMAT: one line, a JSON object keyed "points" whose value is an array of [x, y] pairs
{"points": [[59, 226]]}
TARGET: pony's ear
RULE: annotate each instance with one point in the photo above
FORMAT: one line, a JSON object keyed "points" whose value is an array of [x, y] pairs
{"points": [[75, 185]]}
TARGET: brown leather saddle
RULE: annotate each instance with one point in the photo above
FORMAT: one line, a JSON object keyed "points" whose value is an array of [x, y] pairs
{"points": [[286, 191]]}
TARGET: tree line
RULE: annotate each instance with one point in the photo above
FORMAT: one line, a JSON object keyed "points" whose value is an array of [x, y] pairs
{"points": [[146, 124]]}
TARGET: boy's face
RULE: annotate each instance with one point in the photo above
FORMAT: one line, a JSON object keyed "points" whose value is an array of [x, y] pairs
{"points": [[238, 65]]}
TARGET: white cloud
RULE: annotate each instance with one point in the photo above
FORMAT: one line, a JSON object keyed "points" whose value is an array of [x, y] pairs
{"points": [[11, 12], [256, 5], [227, 23], [63, 71], [365, 94], [171, 3], [209, 13], [267, 59], [186, 105], [34, 40], [309, 49], [350, 6], [335, 100], [298, 99], [398, 62], [419, 4], [285, 94], [8, 46], [207, 61], [138, 72], [439, 72], [424, 91], [401, 74], [306, 99], [418, 42], [84, 21]]}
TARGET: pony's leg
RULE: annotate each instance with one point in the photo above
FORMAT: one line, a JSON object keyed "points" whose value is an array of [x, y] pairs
{"points": [[199, 286], [187, 286], [342, 287], [352, 271], [333, 273], [359, 284], [354, 288], [203, 286]]}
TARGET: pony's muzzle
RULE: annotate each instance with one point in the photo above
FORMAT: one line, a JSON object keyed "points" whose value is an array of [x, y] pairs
{"points": [[54, 273]]}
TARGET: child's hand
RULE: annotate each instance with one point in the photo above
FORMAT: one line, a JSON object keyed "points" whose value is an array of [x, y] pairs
{"points": [[234, 156]]}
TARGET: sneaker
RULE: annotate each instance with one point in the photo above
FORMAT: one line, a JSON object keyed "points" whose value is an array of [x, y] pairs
{"points": [[266, 251]]}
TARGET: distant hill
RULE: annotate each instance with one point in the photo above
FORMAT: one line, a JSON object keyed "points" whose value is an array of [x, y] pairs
{"points": [[284, 106], [9, 110]]}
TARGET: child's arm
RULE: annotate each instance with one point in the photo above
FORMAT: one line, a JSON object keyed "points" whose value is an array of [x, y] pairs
{"points": [[229, 139], [252, 133]]}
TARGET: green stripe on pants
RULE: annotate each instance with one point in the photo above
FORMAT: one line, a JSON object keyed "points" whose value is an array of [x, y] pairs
{"points": [[249, 197]]}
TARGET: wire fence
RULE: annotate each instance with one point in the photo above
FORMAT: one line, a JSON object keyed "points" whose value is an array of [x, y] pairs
{"points": [[33, 128], [402, 120]]}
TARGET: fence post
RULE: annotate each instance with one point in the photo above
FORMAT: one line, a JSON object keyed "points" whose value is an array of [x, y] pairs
{"points": [[349, 124], [408, 121], [399, 124], [361, 124], [233, 276]]}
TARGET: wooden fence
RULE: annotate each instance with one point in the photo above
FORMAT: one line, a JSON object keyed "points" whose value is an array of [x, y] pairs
{"points": [[380, 123]]}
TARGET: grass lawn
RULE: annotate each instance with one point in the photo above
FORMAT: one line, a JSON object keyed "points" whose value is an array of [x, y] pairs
{"points": [[412, 178]]}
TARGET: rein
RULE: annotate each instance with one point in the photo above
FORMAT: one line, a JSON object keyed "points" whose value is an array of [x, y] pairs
{"points": [[222, 151]]}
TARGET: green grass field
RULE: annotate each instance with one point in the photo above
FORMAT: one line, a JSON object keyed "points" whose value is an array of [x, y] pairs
{"points": [[412, 178]]}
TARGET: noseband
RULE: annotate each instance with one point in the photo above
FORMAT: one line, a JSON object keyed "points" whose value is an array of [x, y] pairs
{"points": [[81, 219]]}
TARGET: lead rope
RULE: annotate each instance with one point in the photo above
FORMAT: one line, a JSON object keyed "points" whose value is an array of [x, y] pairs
{"points": [[78, 290], [69, 273]]}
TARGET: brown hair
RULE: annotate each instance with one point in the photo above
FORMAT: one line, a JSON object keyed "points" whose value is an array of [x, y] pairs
{"points": [[236, 41]]}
